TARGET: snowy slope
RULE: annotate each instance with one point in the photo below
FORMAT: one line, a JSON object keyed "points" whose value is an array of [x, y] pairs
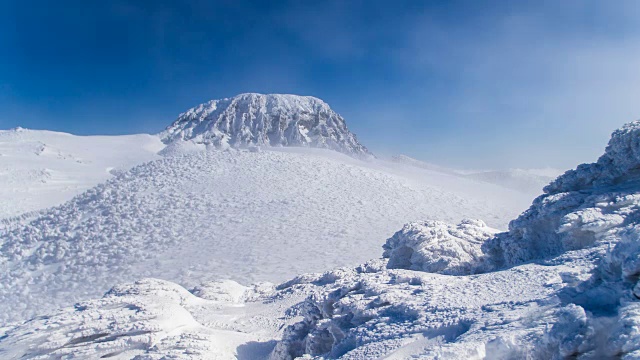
{"points": [[40, 169], [561, 283], [272, 120], [235, 214]]}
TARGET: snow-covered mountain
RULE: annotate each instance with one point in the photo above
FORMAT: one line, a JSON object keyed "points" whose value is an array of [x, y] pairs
{"points": [[265, 120], [562, 282]]}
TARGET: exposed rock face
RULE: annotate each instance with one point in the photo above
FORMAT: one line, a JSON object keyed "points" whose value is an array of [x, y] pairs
{"points": [[248, 120]]}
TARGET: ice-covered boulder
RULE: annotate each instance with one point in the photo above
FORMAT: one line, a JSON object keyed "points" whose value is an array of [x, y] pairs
{"points": [[438, 247]]}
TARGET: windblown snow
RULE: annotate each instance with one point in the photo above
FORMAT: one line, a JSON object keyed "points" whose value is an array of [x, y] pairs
{"points": [[40, 169], [561, 282], [272, 120]]}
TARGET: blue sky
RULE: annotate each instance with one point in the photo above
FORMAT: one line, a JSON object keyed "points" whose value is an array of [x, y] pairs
{"points": [[475, 84]]}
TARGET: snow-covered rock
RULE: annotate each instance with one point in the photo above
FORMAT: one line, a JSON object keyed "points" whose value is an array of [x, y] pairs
{"points": [[584, 207], [438, 247], [265, 120]]}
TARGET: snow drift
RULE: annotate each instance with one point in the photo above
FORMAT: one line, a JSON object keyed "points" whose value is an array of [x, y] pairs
{"points": [[265, 120]]}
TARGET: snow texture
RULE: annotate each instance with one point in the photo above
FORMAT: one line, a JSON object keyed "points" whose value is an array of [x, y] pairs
{"points": [[265, 120], [205, 215], [40, 169], [562, 282], [437, 247]]}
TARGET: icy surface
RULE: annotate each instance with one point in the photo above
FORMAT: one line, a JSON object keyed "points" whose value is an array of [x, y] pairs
{"points": [[272, 120], [561, 283], [40, 169]]}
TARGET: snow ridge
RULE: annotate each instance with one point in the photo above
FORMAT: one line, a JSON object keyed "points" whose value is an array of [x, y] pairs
{"points": [[265, 120]]}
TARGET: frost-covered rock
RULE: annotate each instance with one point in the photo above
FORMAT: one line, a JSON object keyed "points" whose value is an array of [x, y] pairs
{"points": [[582, 208], [619, 164], [252, 120], [438, 247]]}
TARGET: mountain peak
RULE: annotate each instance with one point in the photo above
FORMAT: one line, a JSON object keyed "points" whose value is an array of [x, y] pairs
{"points": [[252, 119]]}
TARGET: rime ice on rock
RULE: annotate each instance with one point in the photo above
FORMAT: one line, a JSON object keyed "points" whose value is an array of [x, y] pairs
{"points": [[438, 247], [253, 120]]}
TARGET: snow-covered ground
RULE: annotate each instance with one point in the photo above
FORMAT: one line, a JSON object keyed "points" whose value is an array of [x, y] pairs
{"points": [[40, 169], [247, 216], [562, 282]]}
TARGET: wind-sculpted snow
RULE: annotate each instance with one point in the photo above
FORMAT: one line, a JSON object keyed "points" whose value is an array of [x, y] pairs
{"points": [[146, 320], [265, 120], [563, 282], [40, 169], [209, 215]]}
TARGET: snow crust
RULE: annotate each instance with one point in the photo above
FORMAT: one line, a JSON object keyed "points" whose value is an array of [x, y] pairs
{"points": [[265, 120]]}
